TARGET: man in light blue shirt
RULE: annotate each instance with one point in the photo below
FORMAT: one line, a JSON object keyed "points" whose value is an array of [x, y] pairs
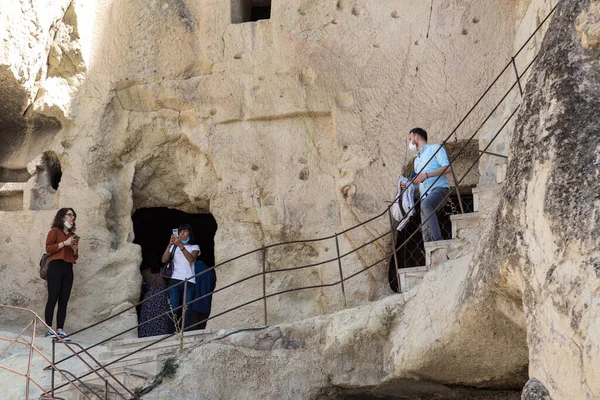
{"points": [[431, 162]]}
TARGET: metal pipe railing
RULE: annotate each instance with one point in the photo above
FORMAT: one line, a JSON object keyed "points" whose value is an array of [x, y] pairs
{"points": [[340, 282], [479, 100], [287, 243], [52, 365]]}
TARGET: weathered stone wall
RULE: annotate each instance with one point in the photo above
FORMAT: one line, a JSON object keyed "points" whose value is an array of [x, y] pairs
{"points": [[283, 129]]}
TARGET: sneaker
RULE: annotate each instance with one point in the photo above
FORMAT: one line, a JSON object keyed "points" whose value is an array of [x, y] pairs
{"points": [[50, 334], [64, 336]]}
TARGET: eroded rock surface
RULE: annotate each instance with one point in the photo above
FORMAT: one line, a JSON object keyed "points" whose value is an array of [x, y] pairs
{"points": [[551, 241], [524, 305], [287, 128]]}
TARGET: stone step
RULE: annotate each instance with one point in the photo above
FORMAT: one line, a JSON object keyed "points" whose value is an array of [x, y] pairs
{"points": [[444, 250], [136, 343], [145, 365], [466, 226], [130, 379], [437, 252], [409, 280], [136, 372], [139, 369], [153, 351], [165, 348], [485, 199], [412, 270]]}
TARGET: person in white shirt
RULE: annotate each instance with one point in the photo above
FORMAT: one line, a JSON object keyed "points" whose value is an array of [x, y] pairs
{"points": [[185, 253]]}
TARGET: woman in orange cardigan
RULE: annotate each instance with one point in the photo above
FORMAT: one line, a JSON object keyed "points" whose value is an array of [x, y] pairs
{"points": [[62, 245]]}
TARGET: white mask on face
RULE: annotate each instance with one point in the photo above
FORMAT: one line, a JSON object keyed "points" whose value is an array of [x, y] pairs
{"points": [[67, 224], [412, 146]]}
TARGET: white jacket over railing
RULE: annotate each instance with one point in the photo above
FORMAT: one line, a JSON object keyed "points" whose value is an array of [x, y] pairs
{"points": [[403, 207]]}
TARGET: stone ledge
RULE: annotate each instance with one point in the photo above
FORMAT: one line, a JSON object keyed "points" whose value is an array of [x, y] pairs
{"points": [[9, 188]]}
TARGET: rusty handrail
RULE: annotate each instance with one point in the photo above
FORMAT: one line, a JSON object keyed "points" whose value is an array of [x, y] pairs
{"points": [[444, 142], [52, 365], [339, 282], [333, 236]]}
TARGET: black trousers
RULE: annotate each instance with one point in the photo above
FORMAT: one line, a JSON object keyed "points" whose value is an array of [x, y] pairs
{"points": [[60, 282]]}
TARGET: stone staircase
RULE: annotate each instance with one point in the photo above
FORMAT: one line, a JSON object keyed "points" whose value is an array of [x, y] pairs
{"points": [[465, 232], [136, 371]]}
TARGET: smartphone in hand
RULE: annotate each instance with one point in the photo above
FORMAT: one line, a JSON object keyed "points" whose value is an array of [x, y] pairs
{"points": [[176, 232]]}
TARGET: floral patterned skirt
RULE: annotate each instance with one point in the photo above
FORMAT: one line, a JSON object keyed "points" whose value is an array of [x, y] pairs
{"points": [[150, 309]]}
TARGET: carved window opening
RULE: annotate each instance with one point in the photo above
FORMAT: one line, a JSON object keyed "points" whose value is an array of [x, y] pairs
{"points": [[53, 168], [47, 180], [250, 10]]}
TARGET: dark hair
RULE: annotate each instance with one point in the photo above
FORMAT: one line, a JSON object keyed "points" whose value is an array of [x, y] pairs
{"points": [[188, 227], [59, 218], [151, 260], [419, 131]]}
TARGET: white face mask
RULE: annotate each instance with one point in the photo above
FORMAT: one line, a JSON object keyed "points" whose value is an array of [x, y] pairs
{"points": [[412, 146], [67, 224]]}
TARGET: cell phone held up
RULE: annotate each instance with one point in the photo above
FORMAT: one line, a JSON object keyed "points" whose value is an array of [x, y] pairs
{"points": [[176, 232]]}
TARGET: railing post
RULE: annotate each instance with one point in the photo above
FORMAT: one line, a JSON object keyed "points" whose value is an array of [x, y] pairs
{"points": [[53, 369], [106, 389], [337, 247], [184, 308], [29, 360], [394, 248], [460, 204], [264, 276], [517, 74]]}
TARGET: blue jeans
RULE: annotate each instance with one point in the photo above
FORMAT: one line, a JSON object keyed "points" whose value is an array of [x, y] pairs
{"points": [[429, 204], [175, 295]]}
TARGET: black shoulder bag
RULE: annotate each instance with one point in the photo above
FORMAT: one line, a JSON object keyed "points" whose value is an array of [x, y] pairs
{"points": [[167, 270]]}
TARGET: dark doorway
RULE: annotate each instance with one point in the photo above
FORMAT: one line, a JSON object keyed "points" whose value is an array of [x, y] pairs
{"points": [[413, 253], [259, 13], [153, 227], [250, 10]]}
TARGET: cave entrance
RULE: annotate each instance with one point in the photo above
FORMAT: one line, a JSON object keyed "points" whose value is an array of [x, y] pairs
{"points": [[153, 227], [413, 253]]}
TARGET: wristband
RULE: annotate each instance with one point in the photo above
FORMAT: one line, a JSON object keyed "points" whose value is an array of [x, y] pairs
{"points": [[426, 175]]}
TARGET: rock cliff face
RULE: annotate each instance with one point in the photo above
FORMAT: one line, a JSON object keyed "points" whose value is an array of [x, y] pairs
{"points": [[288, 128], [524, 306], [552, 241], [292, 128]]}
